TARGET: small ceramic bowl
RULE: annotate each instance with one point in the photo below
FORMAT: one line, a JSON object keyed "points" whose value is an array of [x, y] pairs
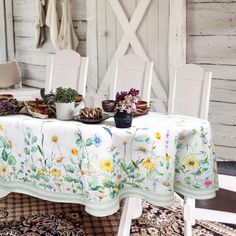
{"points": [[142, 105], [47, 98], [108, 105]]}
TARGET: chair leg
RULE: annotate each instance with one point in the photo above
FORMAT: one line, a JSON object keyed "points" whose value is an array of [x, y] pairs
{"points": [[188, 216], [180, 199], [132, 210], [136, 207], [126, 218], [3, 193], [193, 208]]}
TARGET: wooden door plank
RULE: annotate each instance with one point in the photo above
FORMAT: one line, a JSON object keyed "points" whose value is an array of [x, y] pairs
{"points": [[92, 81], [177, 35], [102, 41], [3, 44], [10, 30]]}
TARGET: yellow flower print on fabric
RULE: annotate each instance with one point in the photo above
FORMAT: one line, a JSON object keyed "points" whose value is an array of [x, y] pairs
{"points": [[54, 172], [42, 171], [168, 157], [1, 128], [148, 164], [167, 184], [142, 149], [191, 163], [106, 165], [59, 159], [157, 135], [54, 138], [4, 169], [74, 152], [9, 143]]}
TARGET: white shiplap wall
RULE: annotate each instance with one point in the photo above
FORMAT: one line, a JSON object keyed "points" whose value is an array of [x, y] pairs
{"points": [[211, 42], [33, 61]]}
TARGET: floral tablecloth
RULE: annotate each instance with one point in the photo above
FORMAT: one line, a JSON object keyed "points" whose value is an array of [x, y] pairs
{"points": [[97, 165]]}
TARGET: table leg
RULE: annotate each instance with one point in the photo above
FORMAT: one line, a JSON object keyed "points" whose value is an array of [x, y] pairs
{"points": [[193, 208]]}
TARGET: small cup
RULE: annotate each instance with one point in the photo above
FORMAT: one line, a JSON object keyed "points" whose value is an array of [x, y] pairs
{"points": [[108, 105]]}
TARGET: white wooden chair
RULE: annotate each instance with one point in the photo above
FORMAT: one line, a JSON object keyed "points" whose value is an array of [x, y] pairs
{"points": [[67, 69], [189, 95], [10, 82], [132, 71]]}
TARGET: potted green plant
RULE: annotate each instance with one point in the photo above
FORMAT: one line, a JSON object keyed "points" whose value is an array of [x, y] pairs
{"points": [[64, 98], [125, 105]]}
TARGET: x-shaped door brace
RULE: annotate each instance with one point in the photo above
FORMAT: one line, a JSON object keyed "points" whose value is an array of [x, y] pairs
{"points": [[128, 38]]}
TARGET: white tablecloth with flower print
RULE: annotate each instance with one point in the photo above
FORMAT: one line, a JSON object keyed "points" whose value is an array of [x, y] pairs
{"points": [[98, 165]]}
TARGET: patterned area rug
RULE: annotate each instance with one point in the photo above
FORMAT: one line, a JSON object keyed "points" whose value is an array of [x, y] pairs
{"points": [[28, 216]]}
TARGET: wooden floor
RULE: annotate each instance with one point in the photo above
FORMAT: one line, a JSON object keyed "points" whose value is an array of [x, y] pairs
{"points": [[224, 201]]}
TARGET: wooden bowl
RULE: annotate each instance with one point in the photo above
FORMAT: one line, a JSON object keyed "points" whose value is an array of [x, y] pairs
{"points": [[108, 105], [79, 98], [142, 105], [6, 97]]}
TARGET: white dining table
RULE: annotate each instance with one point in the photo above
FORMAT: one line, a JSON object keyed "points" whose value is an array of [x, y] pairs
{"points": [[97, 165]]}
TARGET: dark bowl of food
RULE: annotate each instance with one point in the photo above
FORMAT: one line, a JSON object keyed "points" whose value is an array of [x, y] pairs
{"points": [[142, 105], [46, 97], [108, 105]]}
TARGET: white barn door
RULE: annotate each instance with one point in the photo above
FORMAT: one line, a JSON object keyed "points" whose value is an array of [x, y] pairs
{"points": [[119, 27]]}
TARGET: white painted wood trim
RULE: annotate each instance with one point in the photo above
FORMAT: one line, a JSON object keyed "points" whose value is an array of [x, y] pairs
{"points": [[177, 35], [10, 30], [3, 43], [92, 46], [34, 83]]}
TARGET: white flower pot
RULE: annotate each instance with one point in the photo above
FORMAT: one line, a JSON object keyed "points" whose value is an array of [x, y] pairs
{"points": [[65, 111]]}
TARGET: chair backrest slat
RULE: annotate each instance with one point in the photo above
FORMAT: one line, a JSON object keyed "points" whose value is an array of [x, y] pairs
{"points": [[190, 91], [132, 71], [9, 75], [67, 69]]}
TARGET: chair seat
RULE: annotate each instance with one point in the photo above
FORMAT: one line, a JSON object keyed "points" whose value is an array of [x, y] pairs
{"points": [[227, 167]]}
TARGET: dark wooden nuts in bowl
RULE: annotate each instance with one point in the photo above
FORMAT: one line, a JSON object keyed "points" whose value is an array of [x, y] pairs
{"points": [[108, 105]]}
